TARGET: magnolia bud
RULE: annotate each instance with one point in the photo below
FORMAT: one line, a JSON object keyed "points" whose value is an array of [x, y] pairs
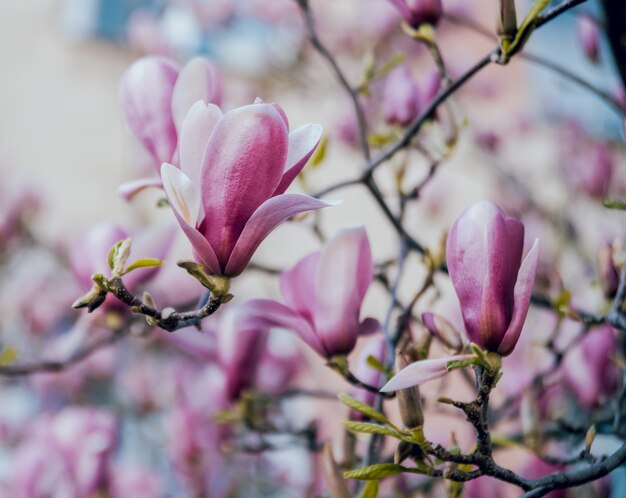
{"points": [[92, 300], [507, 20], [118, 256], [409, 400]]}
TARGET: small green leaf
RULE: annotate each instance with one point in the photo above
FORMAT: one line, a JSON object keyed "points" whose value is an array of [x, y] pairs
{"points": [[376, 365], [375, 472], [163, 202], [370, 490], [454, 364], [368, 410], [8, 356], [562, 301], [611, 203], [144, 263], [368, 428]]}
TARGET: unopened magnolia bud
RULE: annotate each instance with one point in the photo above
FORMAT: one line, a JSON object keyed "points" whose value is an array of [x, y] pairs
{"points": [[409, 400], [607, 272], [92, 300], [337, 487], [506, 26], [443, 330]]}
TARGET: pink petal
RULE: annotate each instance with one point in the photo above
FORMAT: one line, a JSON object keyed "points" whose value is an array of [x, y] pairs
{"points": [[523, 292], [344, 274], [242, 166], [267, 217], [145, 97], [297, 286], [421, 371], [302, 143], [276, 314], [196, 131], [130, 189], [369, 326], [184, 199], [200, 79]]}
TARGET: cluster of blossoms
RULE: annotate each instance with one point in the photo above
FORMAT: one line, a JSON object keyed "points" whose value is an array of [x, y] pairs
{"points": [[231, 396]]}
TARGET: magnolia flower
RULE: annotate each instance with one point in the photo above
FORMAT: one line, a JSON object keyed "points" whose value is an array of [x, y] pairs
{"points": [[155, 97], [588, 370], [401, 97], [235, 167], [324, 293], [492, 283], [66, 454], [416, 12]]}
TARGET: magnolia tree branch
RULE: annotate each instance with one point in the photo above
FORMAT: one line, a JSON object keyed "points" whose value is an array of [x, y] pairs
{"points": [[167, 319], [58, 365]]}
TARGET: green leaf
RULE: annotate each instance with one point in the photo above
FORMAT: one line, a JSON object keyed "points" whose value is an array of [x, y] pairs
{"points": [[368, 410], [375, 472], [370, 490], [8, 356], [453, 365], [368, 428], [144, 263], [376, 365], [611, 203]]}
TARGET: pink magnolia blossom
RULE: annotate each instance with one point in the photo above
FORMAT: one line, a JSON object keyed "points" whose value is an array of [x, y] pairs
{"points": [[235, 167], [324, 293], [607, 271], [401, 97], [133, 481], [589, 37], [155, 97], [588, 369], [416, 12], [492, 283], [67, 454]]}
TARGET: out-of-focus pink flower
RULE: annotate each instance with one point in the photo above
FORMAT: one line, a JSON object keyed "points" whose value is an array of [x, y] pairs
{"points": [[588, 369], [155, 98], [235, 167], [443, 330], [588, 165], [368, 374], [401, 97], [492, 283], [132, 481], [67, 454], [607, 271], [241, 341], [324, 293], [89, 254], [589, 37], [416, 12]]}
